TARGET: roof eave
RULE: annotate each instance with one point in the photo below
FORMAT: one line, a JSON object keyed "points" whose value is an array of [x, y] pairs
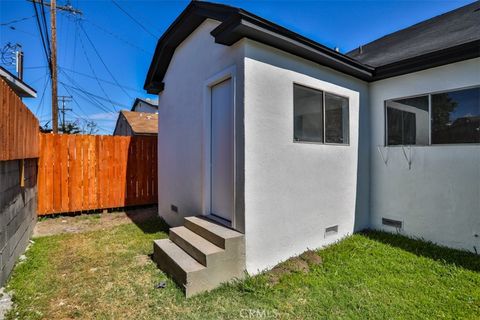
{"points": [[18, 86], [465, 51], [238, 27]]}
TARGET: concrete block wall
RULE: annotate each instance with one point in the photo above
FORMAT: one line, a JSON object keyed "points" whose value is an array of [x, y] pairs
{"points": [[18, 206]]}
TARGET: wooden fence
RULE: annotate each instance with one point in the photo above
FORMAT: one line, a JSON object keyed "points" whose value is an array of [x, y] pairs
{"points": [[86, 172], [19, 128]]}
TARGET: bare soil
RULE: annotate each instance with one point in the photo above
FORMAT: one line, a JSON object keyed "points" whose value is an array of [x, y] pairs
{"points": [[91, 221]]}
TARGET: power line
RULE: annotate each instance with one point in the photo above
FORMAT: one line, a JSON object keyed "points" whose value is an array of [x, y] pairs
{"points": [[43, 93], [95, 75], [103, 62], [134, 20], [16, 21], [97, 97], [44, 16], [100, 79], [92, 100], [40, 30], [117, 37]]}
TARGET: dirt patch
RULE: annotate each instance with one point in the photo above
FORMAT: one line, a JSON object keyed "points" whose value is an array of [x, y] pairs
{"points": [[292, 265], [312, 258], [91, 222], [300, 264], [142, 260]]}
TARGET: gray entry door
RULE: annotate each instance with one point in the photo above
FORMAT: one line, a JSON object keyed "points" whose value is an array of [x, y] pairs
{"points": [[222, 143]]}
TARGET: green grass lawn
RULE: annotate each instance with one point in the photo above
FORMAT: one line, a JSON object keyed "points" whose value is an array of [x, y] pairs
{"points": [[109, 275]]}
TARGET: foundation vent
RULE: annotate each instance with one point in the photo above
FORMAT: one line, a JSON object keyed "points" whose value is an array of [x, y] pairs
{"points": [[330, 231], [392, 223]]}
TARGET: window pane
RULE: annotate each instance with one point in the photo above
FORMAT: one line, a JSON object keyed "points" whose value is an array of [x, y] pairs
{"points": [[308, 114], [336, 119], [408, 121], [394, 121], [456, 117]]}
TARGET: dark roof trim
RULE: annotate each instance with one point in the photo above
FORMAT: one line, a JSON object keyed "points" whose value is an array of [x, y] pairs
{"points": [[237, 24], [429, 60], [18, 86], [245, 26]]}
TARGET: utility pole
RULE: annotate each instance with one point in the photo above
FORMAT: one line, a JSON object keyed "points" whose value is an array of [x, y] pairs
{"points": [[63, 110], [53, 59]]}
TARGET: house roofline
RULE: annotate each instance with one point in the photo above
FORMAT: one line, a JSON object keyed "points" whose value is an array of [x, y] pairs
{"points": [[237, 23], [137, 100], [21, 88], [464, 51]]}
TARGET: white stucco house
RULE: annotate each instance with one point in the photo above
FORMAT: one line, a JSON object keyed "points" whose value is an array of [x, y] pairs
{"points": [[292, 145]]}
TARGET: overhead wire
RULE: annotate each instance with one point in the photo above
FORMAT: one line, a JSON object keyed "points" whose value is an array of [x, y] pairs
{"points": [[94, 74], [103, 62], [116, 36], [40, 30], [133, 19], [16, 21]]}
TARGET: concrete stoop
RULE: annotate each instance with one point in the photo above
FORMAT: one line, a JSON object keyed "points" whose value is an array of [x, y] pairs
{"points": [[201, 255]]}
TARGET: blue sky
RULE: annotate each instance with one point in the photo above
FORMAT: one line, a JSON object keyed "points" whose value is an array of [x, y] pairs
{"points": [[126, 48]]}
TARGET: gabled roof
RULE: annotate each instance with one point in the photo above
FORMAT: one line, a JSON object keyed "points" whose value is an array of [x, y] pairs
{"points": [[138, 100], [140, 122], [237, 24], [457, 31], [18, 86], [448, 38]]}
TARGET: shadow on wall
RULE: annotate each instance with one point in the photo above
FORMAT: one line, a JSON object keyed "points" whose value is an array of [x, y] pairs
{"points": [[464, 259]]}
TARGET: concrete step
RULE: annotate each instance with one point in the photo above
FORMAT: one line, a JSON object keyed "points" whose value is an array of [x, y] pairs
{"points": [[196, 246], [213, 232], [201, 255], [174, 261]]}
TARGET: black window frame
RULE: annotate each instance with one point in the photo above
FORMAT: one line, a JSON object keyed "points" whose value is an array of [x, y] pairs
{"points": [[323, 92], [429, 95]]}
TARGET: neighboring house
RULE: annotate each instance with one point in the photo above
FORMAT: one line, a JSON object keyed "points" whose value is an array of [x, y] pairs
{"points": [[20, 88], [295, 145], [147, 106], [130, 123]]}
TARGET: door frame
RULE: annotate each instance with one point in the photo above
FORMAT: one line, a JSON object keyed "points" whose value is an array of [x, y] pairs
{"points": [[228, 73]]}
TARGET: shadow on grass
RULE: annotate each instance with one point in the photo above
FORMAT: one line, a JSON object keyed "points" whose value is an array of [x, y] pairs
{"points": [[427, 249], [147, 219]]}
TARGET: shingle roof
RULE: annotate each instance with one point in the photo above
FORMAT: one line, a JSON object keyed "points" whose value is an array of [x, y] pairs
{"points": [[142, 123], [450, 29]]}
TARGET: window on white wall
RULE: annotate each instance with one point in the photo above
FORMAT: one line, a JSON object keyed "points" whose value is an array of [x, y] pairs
{"points": [[456, 117], [308, 114], [407, 121], [336, 119], [441, 118], [320, 116]]}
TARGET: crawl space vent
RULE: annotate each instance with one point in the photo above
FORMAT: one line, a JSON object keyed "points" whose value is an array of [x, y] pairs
{"points": [[330, 231], [392, 223]]}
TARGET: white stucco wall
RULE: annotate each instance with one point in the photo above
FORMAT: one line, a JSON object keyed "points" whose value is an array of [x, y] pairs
{"points": [[293, 191], [181, 134], [438, 199]]}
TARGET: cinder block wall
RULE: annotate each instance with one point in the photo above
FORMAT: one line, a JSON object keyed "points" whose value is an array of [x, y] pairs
{"points": [[18, 207]]}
